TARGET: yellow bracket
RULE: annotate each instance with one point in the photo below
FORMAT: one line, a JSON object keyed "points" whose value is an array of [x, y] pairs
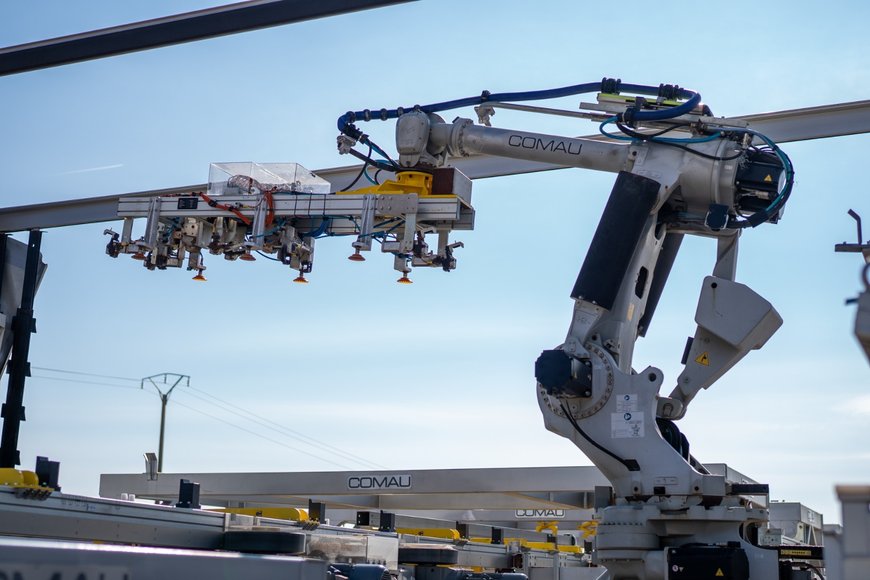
{"points": [[552, 526], [405, 182], [630, 99], [292, 514], [548, 546], [443, 533], [25, 483], [589, 528]]}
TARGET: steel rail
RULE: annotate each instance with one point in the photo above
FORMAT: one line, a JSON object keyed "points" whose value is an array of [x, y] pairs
{"points": [[176, 29], [827, 121]]}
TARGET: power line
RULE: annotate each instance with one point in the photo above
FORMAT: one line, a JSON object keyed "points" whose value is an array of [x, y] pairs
{"points": [[85, 374], [229, 407], [282, 429], [83, 382], [254, 433]]}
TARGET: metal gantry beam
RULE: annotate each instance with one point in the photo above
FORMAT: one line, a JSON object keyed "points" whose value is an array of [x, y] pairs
{"points": [[783, 126], [177, 29]]}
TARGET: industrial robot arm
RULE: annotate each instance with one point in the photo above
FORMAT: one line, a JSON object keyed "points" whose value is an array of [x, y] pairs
{"points": [[713, 179], [711, 182]]}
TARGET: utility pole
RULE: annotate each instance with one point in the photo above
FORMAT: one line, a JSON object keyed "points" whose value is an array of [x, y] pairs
{"points": [[164, 400]]}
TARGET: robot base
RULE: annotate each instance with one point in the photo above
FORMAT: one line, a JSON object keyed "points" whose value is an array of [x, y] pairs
{"points": [[642, 541]]}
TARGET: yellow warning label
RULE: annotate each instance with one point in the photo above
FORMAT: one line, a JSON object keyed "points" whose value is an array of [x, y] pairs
{"points": [[720, 573], [768, 179], [796, 553], [703, 359]]}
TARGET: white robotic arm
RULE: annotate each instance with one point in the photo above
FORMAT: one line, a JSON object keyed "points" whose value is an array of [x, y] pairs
{"points": [[710, 182]]}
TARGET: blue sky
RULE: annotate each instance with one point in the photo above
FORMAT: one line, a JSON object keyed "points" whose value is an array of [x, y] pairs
{"points": [[437, 374]]}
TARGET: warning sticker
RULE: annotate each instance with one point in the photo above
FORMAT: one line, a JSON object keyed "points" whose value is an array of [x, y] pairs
{"points": [[626, 425], [703, 359], [628, 403], [720, 573], [768, 179]]}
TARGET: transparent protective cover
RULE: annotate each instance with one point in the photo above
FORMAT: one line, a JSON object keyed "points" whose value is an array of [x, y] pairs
{"points": [[250, 178]]}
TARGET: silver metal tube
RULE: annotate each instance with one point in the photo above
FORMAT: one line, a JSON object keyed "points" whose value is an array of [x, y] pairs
{"points": [[468, 139]]}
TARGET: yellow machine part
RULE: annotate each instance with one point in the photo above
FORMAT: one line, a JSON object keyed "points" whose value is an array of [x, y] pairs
{"points": [[630, 100], [18, 478], [547, 546], [589, 528], [443, 533], [25, 483], [552, 526], [405, 182], [277, 513]]}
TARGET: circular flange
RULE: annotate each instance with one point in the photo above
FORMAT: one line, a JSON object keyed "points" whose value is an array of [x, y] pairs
{"points": [[581, 408]]}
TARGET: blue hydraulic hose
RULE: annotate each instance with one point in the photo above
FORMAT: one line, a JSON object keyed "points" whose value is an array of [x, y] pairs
{"points": [[319, 231], [606, 85], [663, 114]]}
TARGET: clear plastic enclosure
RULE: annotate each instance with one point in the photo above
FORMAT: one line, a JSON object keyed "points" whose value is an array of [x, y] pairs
{"points": [[249, 178]]}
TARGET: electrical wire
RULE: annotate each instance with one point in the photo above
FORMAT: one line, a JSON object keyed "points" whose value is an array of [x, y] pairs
{"points": [[632, 135], [255, 434], [226, 406], [361, 171], [782, 195], [277, 427], [597, 445], [630, 115], [374, 162], [267, 256], [225, 207], [345, 122], [137, 381], [755, 219], [81, 382]]}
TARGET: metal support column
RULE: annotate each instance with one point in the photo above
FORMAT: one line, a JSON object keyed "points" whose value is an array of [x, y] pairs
{"points": [[19, 368]]}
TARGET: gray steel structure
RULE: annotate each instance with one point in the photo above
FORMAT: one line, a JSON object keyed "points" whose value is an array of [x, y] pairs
{"points": [[414, 489], [783, 126], [31, 558], [169, 30]]}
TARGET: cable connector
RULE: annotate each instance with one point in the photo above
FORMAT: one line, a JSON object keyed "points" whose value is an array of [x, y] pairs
{"points": [[669, 92], [610, 86], [345, 144], [352, 131]]}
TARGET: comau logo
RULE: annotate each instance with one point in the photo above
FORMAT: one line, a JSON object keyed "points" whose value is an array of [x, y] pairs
{"points": [[379, 482], [540, 513], [553, 145]]}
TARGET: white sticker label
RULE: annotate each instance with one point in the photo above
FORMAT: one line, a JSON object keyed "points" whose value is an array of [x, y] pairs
{"points": [[628, 404], [626, 425]]}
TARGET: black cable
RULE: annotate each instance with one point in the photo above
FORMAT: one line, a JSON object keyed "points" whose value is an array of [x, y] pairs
{"points": [[597, 445], [267, 256], [646, 137], [365, 140], [361, 171], [373, 162], [643, 136]]}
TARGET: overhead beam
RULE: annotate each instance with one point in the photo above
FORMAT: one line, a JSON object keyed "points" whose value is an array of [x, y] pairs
{"points": [[783, 127], [809, 123], [177, 29]]}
